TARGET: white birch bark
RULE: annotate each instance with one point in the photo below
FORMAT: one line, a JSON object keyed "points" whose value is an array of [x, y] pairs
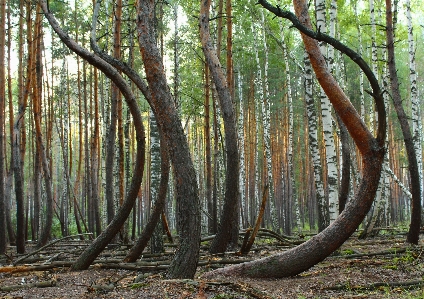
{"points": [[405, 189], [258, 90], [242, 181], [374, 54], [361, 74], [265, 102], [156, 245], [415, 105], [327, 123], [313, 141]]}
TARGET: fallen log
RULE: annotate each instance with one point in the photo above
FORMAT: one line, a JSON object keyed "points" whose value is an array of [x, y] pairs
{"points": [[45, 246], [41, 284]]}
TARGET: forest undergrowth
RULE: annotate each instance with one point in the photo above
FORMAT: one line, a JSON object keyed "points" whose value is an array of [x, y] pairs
{"points": [[382, 267]]}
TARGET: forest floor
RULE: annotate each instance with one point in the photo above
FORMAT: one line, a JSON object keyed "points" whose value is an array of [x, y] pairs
{"points": [[383, 267]]}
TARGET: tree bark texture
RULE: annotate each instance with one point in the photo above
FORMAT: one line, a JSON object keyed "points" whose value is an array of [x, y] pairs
{"points": [[304, 256], [185, 260], [414, 228], [230, 207], [3, 239], [157, 210]]}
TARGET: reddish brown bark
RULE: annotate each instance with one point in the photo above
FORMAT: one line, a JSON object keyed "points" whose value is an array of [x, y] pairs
{"points": [[303, 257], [246, 246]]}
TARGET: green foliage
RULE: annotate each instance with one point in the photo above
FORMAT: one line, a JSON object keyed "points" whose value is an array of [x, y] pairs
{"points": [[347, 252], [403, 261]]}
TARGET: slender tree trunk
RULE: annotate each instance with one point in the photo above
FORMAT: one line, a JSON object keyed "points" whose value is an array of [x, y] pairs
{"points": [[314, 145], [3, 238], [155, 215], [208, 157], [414, 228], [230, 209], [9, 179], [18, 132], [345, 181], [111, 134], [415, 103], [185, 260], [156, 240], [94, 157], [120, 122], [292, 184]]}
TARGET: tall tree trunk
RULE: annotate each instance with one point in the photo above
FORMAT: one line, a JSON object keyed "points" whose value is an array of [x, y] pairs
{"points": [[94, 157], [3, 238], [19, 132], [111, 134], [415, 103], [314, 145], [304, 256], [208, 157], [230, 209], [414, 228], [327, 123], [290, 129], [156, 241], [120, 121], [37, 93], [157, 210], [230, 81], [185, 260], [9, 179]]}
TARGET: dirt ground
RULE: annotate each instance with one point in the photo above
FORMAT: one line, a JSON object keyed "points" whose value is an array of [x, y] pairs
{"points": [[376, 268]]}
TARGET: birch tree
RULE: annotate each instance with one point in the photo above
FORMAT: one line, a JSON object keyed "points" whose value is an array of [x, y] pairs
{"points": [[327, 120], [415, 105], [372, 150]]}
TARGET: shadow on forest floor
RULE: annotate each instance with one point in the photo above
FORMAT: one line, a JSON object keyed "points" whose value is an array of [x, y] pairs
{"points": [[382, 267]]}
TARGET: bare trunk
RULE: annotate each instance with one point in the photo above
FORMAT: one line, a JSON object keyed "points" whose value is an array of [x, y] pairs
{"points": [[414, 228], [229, 214], [3, 239]]}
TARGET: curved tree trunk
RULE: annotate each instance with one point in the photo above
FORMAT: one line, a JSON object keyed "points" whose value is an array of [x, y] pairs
{"points": [[88, 256], [303, 257], [229, 211], [185, 260], [345, 181]]}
